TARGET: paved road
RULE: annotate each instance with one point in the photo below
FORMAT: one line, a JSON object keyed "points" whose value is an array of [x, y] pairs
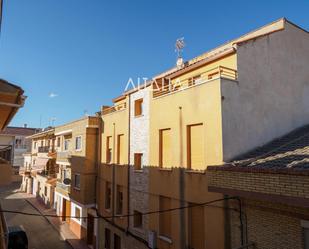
{"points": [[40, 233]]}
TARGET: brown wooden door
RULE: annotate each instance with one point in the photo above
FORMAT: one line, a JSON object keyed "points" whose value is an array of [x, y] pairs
{"points": [[63, 209], [90, 229], [67, 210]]}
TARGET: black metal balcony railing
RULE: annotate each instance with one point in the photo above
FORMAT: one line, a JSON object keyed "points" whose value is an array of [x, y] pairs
{"points": [[45, 149]]}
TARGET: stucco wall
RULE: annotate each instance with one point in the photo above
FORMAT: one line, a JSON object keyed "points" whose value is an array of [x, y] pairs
{"points": [[200, 104], [114, 124], [271, 97], [6, 174]]}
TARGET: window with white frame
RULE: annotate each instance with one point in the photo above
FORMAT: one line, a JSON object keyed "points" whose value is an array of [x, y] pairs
{"points": [[77, 213], [78, 143], [58, 141], [66, 144]]}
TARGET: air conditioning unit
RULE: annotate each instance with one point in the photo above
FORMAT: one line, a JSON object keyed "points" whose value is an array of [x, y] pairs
{"points": [[152, 239]]}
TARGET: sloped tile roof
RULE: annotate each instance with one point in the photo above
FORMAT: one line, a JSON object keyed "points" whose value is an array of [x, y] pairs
{"points": [[19, 131], [288, 152]]}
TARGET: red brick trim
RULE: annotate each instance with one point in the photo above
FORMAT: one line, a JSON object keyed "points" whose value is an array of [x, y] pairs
{"points": [[283, 171], [288, 200]]}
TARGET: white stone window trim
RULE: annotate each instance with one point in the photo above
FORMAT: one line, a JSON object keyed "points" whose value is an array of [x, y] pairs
{"points": [[73, 207], [64, 141]]}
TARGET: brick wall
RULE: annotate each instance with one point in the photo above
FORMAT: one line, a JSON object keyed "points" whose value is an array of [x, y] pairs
{"points": [[139, 199], [268, 183], [269, 225]]}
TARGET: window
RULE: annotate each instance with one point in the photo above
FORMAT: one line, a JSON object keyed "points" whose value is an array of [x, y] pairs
{"points": [[165, 148], [77, 213], [196, 226], [18, 143], [77, 181], [117, 242], [138, 161], [120, 149], [78, 143], [138, 107], [108, 195], [165, 217], [45, 191], [109, 151], [119, 200], [138, 219], [195, 147], [34, 145], [42, 143], [66, 144], [107, 239], [58, 141]]}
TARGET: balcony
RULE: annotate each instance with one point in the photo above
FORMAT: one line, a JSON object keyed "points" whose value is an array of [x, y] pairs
{"points": [[108, 110], [62, 186], [166, 86], [47, 174], [63, 156], [45, 149]]}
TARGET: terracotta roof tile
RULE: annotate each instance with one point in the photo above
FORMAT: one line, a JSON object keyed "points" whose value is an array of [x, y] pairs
{"points": [[19, 131], [288, 152]]}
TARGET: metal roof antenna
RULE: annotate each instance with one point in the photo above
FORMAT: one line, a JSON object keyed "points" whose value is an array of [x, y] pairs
{"points": [[179, 45]]}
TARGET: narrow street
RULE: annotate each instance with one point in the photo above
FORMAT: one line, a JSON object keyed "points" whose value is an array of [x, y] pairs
{"points": [[41, 233]]}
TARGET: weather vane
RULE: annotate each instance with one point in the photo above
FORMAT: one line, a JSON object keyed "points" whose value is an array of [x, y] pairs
{"points": [[179, 45]]}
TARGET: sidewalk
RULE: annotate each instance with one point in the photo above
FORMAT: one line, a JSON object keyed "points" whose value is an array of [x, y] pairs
{"points": [[61, 227]]}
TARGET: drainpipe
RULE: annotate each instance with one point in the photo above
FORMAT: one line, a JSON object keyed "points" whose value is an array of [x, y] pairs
{"points": [[113, 174], [182, 226], [98, 173], [129, 151], [241, 221]]}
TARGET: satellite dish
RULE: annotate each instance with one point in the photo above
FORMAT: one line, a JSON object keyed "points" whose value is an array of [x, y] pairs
{"points": [[67, 181]]}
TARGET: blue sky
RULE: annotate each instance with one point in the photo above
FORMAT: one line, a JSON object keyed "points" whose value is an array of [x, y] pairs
{"points": [[85, 51]]}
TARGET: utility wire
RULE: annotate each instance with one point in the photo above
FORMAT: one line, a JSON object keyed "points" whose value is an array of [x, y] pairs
{"points": [[120, 216]]}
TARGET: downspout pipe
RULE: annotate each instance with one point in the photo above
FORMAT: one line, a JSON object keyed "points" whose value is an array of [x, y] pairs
{"points": [[241, 221], [129, 140], [98, 171]]}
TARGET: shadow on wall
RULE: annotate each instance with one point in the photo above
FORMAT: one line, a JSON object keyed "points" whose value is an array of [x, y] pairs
{"points": [[6, 173]]}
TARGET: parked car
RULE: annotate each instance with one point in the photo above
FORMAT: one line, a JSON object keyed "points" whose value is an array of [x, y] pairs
{"points": [[17, 238]]}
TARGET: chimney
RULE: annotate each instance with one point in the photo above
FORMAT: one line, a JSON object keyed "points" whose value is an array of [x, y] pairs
{"points": [[25, 125]]}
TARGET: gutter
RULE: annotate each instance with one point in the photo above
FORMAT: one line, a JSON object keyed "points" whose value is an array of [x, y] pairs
{"points": [[128, 188]]}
